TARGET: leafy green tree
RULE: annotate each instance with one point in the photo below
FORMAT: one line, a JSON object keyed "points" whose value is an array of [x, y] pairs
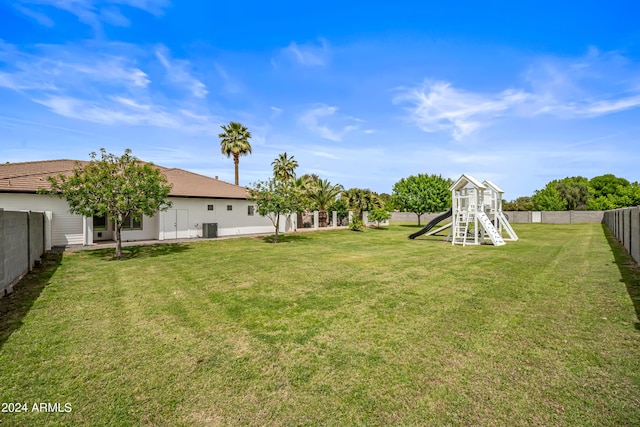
{"points": [[361, 200], [548, 199], [340, 206], [520, 204], [234, 141], [274, 199], [284, 168], [574, 191], [116, 187], [387, 200], [623, 196], [322, 195], [607, 184], [422, 194], [379, 215]]}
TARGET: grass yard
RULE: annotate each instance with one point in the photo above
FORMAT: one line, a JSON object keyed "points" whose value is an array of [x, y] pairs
{"points": [[330, 328]]}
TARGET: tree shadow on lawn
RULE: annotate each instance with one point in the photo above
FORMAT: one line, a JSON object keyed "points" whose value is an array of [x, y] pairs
{"points": [[15, 306], [629, 270], [141, 251]]}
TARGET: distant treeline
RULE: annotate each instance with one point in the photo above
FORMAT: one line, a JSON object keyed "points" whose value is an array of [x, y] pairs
{"points": [[579, 193]]}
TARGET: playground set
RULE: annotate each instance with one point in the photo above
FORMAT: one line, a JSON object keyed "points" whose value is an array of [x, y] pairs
{"points": [[476, 213]]}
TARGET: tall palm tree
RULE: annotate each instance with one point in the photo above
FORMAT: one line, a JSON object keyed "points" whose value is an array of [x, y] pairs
{"points": [[284, 168], [322, 193], [234, 141]]}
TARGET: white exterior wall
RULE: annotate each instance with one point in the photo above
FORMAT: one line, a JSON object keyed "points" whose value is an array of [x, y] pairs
{"points": [[69, 229], [66, 228], [230, 223]]}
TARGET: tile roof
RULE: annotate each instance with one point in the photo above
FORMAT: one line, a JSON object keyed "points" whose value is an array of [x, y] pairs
{"points": [[28, 177]]}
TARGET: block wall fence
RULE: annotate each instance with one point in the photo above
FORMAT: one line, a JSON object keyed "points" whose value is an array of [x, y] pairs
{"points": [[22, 243], [547, 217], [624, 224]]}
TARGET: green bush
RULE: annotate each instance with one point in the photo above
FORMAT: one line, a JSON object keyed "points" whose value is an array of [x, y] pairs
{"points": [[356, 224]]}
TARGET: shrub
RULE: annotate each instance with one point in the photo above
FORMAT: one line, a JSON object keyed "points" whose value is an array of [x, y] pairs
{"points": [[356, 224]]}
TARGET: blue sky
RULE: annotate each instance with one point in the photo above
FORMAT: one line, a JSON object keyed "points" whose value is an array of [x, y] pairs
{"points": [[361, 93]]}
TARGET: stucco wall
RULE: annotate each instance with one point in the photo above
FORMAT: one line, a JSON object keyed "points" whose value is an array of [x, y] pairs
{"points": [[236, 221]]}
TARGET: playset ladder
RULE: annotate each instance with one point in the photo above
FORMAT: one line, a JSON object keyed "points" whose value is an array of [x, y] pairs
{"points": [[461, 228], [494, 234]]}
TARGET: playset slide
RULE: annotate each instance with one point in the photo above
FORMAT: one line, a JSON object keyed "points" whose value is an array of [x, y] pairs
{"points": [[431, 224]]}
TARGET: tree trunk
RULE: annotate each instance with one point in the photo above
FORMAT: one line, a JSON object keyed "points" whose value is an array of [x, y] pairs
{"points": [[119, 240], [419, 215], [236, 160], [275, 239], [322, 218]]}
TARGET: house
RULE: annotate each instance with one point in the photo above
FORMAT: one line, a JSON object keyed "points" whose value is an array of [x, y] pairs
{"points": [[202, 207]]}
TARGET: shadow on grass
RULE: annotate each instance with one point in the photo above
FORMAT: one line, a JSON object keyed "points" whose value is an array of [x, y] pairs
{"points": [[142, 251], [284, 238], [15, 306], [629, 271], [411, 225]]}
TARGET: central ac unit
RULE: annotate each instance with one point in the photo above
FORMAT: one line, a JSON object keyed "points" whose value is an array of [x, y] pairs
{"points": [[210, 230]]}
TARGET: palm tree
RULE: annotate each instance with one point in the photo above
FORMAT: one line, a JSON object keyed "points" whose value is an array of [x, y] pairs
{"points": [[322, 193], [284, 168], [360, 200], [234, 141]]}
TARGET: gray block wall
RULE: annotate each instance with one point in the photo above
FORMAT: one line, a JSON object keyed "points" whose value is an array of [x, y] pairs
{"points": [[21, 244], [515, 217], [634, 250], [3, 285], [16, 244], [36, 237], [625, 226], [411, 217]]}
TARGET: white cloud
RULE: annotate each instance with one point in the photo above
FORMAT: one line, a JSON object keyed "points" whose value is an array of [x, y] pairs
{"points": [[178, 73], [308, 55], [591, 86], [123, 111], [437, 106], [90, 12], [316, 120]]}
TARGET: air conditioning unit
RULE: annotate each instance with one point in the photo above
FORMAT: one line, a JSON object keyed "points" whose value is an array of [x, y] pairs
{"points": [[210, 230]]}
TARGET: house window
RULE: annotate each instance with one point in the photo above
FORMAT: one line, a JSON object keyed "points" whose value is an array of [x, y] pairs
{"points": [[250, 210], [132, 223], [100, 222], [209, 207], [229, 207]]}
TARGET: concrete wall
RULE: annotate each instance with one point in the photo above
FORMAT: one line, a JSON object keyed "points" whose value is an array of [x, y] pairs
{"points": [[22, 242], [556, 217], [411, 217], [548, 217], [624, 223]]}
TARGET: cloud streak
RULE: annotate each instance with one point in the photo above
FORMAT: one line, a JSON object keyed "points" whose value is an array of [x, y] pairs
{"points": [[308, 54], [592, 86], [93, 13], [178, 73], [323, 121]]}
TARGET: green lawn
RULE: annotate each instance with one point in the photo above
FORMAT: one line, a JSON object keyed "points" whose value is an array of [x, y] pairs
{"points": [[331, 328]]}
